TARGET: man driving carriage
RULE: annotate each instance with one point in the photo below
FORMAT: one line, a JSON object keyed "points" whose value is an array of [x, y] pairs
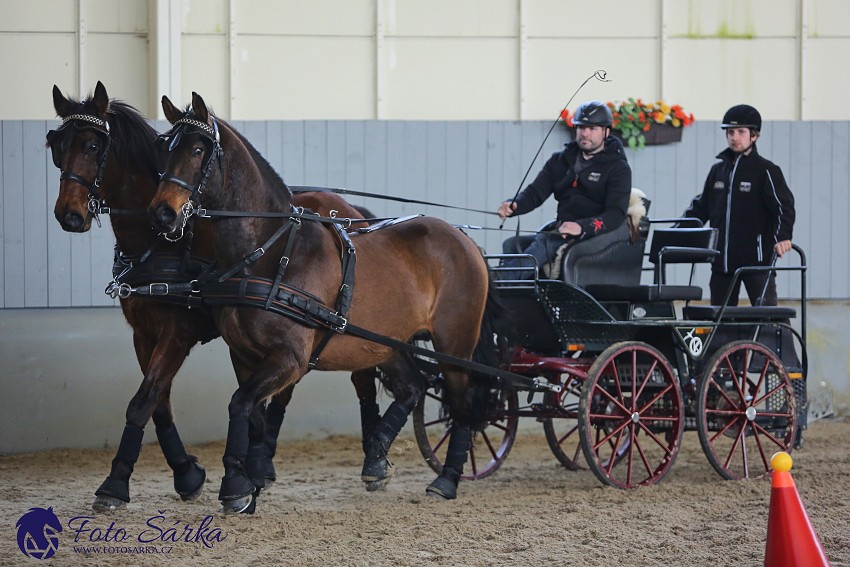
{"points": [[591, 180]]}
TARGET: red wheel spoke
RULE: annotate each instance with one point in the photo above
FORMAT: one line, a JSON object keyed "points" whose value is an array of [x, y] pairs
{"points": [[614, 401]]}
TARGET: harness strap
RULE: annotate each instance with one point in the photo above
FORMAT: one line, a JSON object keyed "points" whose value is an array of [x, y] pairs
{"points": [[346, 291], [284, 261], [254, 256], [291, 302]]}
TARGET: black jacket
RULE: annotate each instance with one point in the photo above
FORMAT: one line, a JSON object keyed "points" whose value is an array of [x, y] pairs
{"points": [[597, 198], [756, 214]]}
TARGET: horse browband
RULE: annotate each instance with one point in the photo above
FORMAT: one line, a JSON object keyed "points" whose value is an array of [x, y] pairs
{"points": [[87, 118]]}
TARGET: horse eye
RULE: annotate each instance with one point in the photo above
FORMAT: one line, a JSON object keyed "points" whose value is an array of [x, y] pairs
{"points": [[198, 151], [93, 148]]}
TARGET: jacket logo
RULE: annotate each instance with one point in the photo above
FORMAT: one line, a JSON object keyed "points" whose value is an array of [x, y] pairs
{"points": [[594, 176], [745, 186], [719, 185], [597, 225]]}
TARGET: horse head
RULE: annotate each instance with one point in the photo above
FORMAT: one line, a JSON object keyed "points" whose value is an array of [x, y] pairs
{"points": [[106, 154], [192, 146], [80, 147]]}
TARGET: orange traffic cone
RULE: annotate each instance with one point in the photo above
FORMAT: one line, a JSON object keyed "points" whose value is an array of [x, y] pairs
{"points": [[791, 539]]}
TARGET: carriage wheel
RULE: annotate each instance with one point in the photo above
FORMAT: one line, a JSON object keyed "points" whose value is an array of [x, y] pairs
{"points": [[562, 432], [746, 410], [490, 447], [631, 416]]}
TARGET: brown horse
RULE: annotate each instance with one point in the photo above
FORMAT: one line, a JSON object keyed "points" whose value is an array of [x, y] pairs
{"points": [[422, 277], [107, 154]]}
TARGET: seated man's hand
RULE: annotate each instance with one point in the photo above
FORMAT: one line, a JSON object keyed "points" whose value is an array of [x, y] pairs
{"points": [[569, 228], [506, 209]]}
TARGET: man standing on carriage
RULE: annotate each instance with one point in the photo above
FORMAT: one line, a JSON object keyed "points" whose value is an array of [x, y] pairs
{"points": [[591, 180], [746, 197]]}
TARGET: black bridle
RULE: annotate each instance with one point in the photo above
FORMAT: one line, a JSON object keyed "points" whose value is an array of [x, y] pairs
{"points": [[169, 141], [96, 204]]}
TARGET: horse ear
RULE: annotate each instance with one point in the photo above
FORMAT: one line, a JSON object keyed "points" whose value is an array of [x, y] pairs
{"points": [[100, 99], [62, 105], [171, 112], [199, 107]]}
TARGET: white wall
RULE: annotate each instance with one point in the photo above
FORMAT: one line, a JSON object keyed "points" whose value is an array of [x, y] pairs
{"points": [[429, 59]]}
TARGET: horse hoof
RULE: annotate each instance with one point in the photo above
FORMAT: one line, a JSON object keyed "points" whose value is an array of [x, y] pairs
{"points": [[246, 504], [190, 484], [377, 474], [442, 488], [107, 504], [375, 485]]}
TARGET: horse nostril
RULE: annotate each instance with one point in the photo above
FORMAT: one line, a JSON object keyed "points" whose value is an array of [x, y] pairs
{"points": [[72, 220], [165, 215]]}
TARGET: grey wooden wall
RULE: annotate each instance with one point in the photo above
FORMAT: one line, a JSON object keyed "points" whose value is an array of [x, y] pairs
{"points": [[464, 164]]}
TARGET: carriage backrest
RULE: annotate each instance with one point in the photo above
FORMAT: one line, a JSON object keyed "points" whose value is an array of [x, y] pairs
{"points": [[681, 246]]}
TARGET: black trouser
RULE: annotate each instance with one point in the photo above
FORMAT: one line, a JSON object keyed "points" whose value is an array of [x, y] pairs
{"points": [[754, 282], [543, 246]]}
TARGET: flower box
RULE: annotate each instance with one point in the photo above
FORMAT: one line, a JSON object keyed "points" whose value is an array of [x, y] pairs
{"points": [[657, 135], [638, 124]]}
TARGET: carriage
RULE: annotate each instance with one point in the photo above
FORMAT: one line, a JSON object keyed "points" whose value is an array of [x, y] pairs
{"points": [[636, 365]]}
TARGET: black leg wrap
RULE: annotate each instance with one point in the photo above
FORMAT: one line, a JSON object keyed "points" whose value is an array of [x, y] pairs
{"points": [[256, 464], [130, 445], [445, 485], [274, 420], [172, 447], [376, 446], [392, 422], [236, 482], [189, 476], [370, 416], [117, 484]]}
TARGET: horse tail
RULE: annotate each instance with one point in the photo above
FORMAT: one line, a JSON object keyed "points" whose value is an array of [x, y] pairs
{"points": [[494, 345]]}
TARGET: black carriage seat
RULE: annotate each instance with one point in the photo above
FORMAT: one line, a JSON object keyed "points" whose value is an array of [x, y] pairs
{"points": [[614, 257], [739, 313], [669, 246]]}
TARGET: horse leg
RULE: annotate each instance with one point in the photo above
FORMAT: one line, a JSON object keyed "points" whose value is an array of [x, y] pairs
{"points": [[159, 362], [275, 412], [238, 491], [445, 485], [189, 475], [367, 393], [458, 397], [408, 385]]}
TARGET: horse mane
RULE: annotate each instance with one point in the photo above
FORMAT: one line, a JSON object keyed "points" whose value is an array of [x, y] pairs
{"points": [[132, 136]]}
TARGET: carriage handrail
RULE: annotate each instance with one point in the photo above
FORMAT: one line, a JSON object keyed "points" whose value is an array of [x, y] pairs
{"points": [[697, 222], [773, 268], [501, 269]]}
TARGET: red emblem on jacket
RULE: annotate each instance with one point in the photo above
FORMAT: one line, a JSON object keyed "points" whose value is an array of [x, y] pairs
{"points": [[597, 225]]}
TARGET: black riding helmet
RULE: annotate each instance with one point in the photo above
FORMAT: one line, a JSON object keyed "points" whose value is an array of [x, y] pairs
{"points": [[742, 116], [593, 113]]}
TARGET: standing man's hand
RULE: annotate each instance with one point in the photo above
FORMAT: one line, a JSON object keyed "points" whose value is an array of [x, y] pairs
{"points": [[506, 209], [782, 247]]}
